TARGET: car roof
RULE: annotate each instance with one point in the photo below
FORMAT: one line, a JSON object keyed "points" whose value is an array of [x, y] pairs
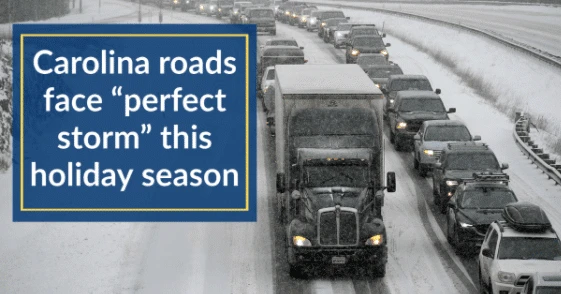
{"points": [[509, 231], [417, 94], [408, 77], [443, 122]]}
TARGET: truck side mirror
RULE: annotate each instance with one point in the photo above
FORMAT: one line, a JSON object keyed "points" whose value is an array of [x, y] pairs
{"points": [[390, 181], [305, 60], [384, 90], [504, 166], [452, 110], [487, 252], [417, 137], [388, 44], [437, 91], [476, 138], [281, 183]]}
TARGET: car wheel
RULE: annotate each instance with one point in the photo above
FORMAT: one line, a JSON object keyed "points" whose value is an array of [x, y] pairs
{"points": [[435, 193], [460, 248], [423, 171], [482, 286], [392, 137], [416, 163], [449, 233], [443, 204], [376, 272], [297, 272], [281, 209]]}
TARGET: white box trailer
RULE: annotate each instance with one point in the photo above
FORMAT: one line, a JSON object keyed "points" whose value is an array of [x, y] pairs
{"points": [[341, 106]]}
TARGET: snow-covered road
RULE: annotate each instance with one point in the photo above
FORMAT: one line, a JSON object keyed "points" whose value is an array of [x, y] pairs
{"points": [[249, 257]]}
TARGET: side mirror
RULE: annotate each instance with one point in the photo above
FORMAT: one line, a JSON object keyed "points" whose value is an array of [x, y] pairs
{"points": [[452, 110], [281, 183], [348, 17], [487, 252], [302, 48], [388, 44], [390, 181], [504, 166], [305, 60], [383, 35], [476, 138], [295, 195], [384, 90], [437, 91], [417, 137]]}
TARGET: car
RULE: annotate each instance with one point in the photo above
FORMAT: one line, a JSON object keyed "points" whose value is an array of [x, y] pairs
{"points": [[364, 30], [458, 162], [324, 15], [367, 60], [432, 138], [312, 23], [304, 15], [264, 18], [474, 206], [380, 74], [517, 248], [543, 283], [290, 12], [224, 8], [340, 34], [397, 83], [330, 26], [273, 55], [365, 44], [282, 42], [267, 81], [412, 108], [209, 7], [295, 14], [235, 15]]}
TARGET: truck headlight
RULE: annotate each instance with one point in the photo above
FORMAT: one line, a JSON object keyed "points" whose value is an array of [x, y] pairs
{"points": [[300, 241], [465, 225], [287, 12], [374, 241], [401, 125], [175, 1], [451, 183], [428, 152], [235, 13], [355, 52], [506, 277], [201, 7], [323, 24], [384, 52]]}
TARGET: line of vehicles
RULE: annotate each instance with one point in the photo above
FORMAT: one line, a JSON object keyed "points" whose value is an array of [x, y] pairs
{"points": [[328, 123]]}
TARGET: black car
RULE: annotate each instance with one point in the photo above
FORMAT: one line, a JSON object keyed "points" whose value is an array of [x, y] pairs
{"points": [[474, 206], [380, 74], [365, 44], [401, 82], [325, 15], [412, 108], [458, 162]]}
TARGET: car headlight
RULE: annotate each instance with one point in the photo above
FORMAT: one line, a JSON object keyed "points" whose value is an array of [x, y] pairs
{"points": [[323, 24], [451, 183], [175, 1], [428, 152], [377, 85], [374, 240], [287, 12], [392, 101], [186, 1], [401, 125], [465, 225], [201, 7], [355, 52], [506, 277], [384, 52], [220, 9], [300, 241], [266, 89]]}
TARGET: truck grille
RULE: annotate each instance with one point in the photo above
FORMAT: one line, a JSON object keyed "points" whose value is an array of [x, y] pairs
{"points": [[522, 281], [341, 230]]}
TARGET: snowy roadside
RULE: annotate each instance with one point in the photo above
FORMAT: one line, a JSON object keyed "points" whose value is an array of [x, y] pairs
{"points": [[509, 80]]}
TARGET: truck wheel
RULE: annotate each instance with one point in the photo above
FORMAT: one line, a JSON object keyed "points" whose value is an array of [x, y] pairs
{"points": [[423, 170], [416, 163], [376, 272]]}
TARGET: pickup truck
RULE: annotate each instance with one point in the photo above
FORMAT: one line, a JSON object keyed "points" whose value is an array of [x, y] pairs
{"points": [[264, 18]]}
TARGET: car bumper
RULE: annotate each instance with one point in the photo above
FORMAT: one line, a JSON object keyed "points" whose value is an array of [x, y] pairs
{"points": [[371, 255], [500, 288]]}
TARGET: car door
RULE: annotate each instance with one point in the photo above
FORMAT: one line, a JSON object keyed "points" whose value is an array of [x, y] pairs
{"points": [[487, 262]]}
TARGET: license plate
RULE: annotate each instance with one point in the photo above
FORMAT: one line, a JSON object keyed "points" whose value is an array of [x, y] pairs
{"points": [[338, 260]]}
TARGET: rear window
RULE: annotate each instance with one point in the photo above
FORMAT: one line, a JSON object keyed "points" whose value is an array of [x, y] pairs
{"points": [[384, 73], [447, 133], [335, 21], [317, 122], [529, 248], [283, 52], [332, 14], [472, 161], [486, 198], [282, 43], [369, 42], [261, 13], [271, 74], [344, 26], [365, 31], [411, 84], [421, 105]]}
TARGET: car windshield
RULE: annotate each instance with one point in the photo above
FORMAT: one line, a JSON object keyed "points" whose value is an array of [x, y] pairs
{"points": [[369, 42], [384, 73], [333, 14], [369, 60], [335, 21], [282, 43], [447, 133], [548, 290], [529, 248], [472, 161], [365, 31], [411, 84], [346, 176], [261, 13], [421, 105], [271, 74], [488, 198], [284, 52]]}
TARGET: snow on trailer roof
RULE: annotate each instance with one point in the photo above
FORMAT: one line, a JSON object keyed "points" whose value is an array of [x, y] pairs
{"points": [[325, 79], [347, 153]]}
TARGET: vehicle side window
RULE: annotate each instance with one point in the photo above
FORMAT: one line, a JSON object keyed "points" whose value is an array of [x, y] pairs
{"points": [[493, 240]]}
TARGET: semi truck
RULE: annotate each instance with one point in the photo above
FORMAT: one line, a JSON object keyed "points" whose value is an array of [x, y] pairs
{"points": [[330, 166]]}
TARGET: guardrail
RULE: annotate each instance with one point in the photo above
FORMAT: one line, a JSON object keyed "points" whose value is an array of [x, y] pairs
{"points": [[532, 151], [543, 56]]}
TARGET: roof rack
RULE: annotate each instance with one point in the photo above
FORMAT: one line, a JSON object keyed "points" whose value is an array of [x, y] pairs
{"points": [[467, 146], [490, 177], [525, 216]]}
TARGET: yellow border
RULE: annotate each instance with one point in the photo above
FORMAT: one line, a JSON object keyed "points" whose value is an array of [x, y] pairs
{"points": [[246, 36]]}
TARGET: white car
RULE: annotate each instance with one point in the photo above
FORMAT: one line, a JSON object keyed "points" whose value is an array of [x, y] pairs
{"points": [[515, 249], [268, 80], [303, 19], [312, 23], [432, 138], [543, 283]]}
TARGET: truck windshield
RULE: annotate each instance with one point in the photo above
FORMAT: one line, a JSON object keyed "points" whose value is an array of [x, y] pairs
{"points": [[426, 105], [271, 75], [411, 84], [447, 133], [529, 248], [472, 161], [262, 13], [332, 122], [333, 175], [486, 198]]}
